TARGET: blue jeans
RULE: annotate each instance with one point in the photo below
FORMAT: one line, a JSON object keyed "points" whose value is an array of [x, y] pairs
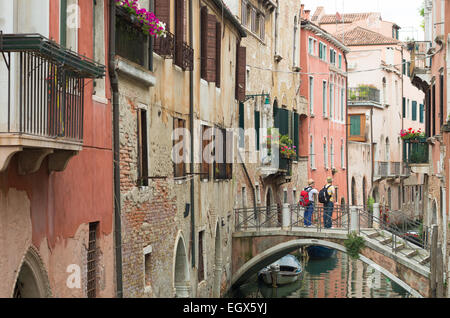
{"points": [[327, 214], [308, 214]]}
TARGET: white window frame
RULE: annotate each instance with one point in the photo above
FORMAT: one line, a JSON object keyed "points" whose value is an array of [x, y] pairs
{"points": [[325, 153], [312, 155], [311, 95], [324, 99]]}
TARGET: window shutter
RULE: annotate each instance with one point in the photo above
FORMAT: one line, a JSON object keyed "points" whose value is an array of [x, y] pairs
{"points": [[421, 113], [262, 26], [204, 41], [162, 11], [240, 72], [257, 126], [179, 31], [404, 107], [414, 110], [218, 52], [241, 125], [229, 154], [211, 49], [355, 125], [284, 121]]}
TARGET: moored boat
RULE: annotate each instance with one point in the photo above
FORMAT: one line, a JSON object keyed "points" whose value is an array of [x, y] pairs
{"points": [[319, 252], [284, 271]]}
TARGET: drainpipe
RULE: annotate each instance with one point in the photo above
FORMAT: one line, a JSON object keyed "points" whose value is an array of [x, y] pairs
{"points": [[346, 125], [191, 130], [115, 106]]}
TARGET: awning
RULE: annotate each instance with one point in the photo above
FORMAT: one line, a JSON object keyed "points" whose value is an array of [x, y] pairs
{"points": [[78, 65]]}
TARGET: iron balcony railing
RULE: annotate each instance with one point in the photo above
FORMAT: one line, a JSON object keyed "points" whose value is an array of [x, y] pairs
{"points": [[385, 169], [420, 63], [44, 91], [184, 56], [364, 94], [165, 46], [131, 42], [416, 151]]}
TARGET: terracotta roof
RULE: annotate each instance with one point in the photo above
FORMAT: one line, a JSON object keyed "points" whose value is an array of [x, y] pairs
{"points": [[361, 36], [348, 17]]}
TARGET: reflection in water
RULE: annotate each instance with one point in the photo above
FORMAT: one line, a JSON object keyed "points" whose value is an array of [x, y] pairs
{"points": [[336, 277]]}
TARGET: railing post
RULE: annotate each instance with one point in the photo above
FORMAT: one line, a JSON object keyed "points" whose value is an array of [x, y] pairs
{"points": [[285, 216], [376, 216], [354, 219]]}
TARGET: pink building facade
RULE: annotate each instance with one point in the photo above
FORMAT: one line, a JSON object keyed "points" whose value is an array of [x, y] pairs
{"points": [[324, 83]]}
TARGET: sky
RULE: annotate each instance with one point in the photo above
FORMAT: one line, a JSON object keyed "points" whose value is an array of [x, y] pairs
{"points": [[405, 13]]}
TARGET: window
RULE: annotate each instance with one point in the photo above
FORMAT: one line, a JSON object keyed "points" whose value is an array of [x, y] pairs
{"points": [[68, 34], [223, 154], [142, 148], [147, 265], [244, 197], [244, 12], [241, 125], [257, 193], [322, 51], [311, 95], [333, 56], [262, 27], [342, 154], [257, 127], [331, 100], [178, 147], [99, 44], [324, 98], [201, 262], [325, 153], [421, 113], [404, 107], [342, 104], [311, 46], [241, 61], [332, 153], [340, 61], [312, 154], [207, 156], [92, 261], [414, 110], [357, 127], [208, 46]]}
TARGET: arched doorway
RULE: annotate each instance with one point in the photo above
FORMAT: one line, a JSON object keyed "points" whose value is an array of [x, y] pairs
{"points": [[270, 202], [32, 281], [217, 263], [182, 277], [375, 194]]}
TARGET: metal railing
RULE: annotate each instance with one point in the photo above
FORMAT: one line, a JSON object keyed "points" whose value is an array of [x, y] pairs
{"points": [[165, 46], [364, 93], [384, 169], [184, 56], [416, 152], [46, 98], [391, 227]]}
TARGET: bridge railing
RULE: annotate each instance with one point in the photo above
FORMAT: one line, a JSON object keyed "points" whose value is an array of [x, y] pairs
{"points": [[339, 219], [257, 218], [399, 240]]}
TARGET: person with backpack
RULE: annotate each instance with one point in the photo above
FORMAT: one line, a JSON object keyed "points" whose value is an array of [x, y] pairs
{"points": [[307, 201], [326, 196]]}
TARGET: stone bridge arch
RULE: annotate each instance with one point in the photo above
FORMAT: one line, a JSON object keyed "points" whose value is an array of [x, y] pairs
{"points": [[271, 254]]}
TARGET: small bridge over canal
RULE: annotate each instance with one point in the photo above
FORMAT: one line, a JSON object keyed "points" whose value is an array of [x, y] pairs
{"points": [[264, 234]]}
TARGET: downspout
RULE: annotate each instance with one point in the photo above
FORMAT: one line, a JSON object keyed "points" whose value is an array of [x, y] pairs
{"points": [[346, 125], [116, 148], [191, 130]]}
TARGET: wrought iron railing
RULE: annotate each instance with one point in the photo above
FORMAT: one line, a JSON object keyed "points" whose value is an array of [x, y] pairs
{"points": [[416, 151], [391, 232], [131, 42], [364, 93], [165, 46], [184, 56], [45, 98]]}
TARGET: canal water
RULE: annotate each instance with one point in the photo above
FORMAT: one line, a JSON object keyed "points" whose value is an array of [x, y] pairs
{"points": [[338, 276]]}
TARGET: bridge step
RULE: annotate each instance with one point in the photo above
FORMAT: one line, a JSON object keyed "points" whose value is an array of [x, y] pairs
{"points": [[386, 241], [425, 260], [373, 235], [399, 247]]}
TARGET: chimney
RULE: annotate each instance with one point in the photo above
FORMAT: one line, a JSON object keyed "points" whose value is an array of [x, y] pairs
{"points": [[307, 12], [318, 14], [302, 8]]}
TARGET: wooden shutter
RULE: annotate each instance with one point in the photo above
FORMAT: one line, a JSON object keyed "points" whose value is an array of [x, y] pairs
{"points": [[203, 41], [241, 54], [296, 133], [284, 121], [414, 110], [206, 139], [241, 125], [211, 49], [162, 11], [218, 52], [180, 168], [179, 31], [229, 154]]}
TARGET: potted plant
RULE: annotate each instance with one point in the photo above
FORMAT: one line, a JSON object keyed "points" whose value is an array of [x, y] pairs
{"points": [[287, 150], [412, 135], [145, 20]]}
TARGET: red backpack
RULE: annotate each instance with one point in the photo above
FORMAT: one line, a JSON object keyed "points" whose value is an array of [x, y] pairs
{"points": [[304, 196]]}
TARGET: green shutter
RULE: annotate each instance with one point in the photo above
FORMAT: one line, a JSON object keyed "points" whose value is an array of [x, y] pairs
{"points": [[404, 107], [296, 132], [257, 126], [284, 121], [355, 125], [63, 24], [421, 113], [414, 110]]}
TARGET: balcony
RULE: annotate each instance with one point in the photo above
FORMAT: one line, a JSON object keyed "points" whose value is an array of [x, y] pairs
{"points": [[390, 169], [41, 101], [364, 93], [270, 168], [420, 68], [416, 155]]}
